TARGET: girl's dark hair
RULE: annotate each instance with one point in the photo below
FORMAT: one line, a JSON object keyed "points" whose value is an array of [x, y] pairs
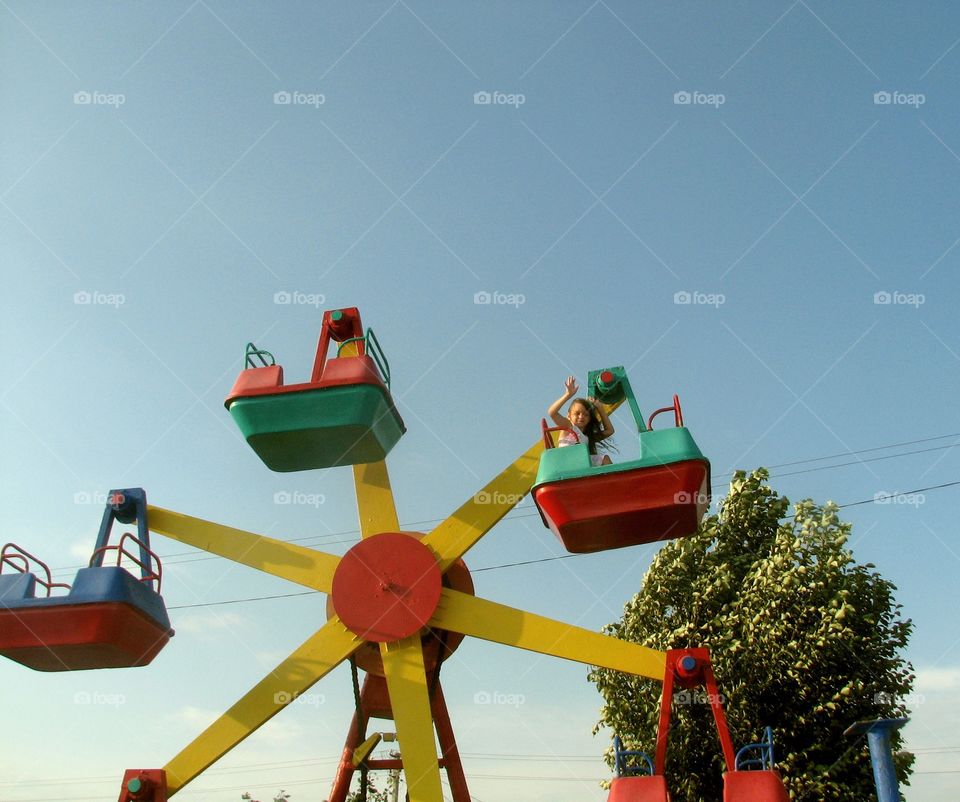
{"points": [[593, 429]]}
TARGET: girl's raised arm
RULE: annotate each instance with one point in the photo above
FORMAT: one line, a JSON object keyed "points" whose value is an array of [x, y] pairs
{"points": [[554, 410]]}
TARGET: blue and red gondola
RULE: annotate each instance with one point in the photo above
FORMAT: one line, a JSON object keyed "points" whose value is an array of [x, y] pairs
{"points": [[660, 496], [343, 416], [109, 618]]}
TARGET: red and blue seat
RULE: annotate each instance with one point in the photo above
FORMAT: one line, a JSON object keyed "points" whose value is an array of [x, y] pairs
{"points": [[108, 617]]}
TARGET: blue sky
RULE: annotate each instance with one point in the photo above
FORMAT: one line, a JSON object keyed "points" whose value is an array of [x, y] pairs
{"points": [[753, 206]]}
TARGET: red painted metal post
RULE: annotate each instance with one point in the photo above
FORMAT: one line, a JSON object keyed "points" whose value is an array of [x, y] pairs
{"points": [[663, 729], [713, 694], [341, 782], [448, 748]]}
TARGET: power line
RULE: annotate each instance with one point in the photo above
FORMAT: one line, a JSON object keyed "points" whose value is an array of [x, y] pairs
{"points": [[887, 496], [864, 461], [539, 560], [326, 540], [863, 451]]}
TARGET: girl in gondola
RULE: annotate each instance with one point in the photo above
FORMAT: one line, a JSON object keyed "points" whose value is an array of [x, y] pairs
{"points": [[586, 422]]}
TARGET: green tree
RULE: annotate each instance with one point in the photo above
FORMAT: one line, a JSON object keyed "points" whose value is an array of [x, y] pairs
{"points": [[373, 794], [802, 638], [282, 796]]}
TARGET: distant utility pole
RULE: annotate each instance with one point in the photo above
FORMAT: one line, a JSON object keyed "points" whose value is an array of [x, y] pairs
{"points": [[395, 779]]}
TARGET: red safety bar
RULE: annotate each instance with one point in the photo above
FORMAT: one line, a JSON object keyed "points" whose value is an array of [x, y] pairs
{"points": [[677, 413], [26, 557], [148, 574], [346, 326], [547, 439]]}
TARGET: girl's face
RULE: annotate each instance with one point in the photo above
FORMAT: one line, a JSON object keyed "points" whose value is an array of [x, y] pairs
{"points": [[579, 415]]}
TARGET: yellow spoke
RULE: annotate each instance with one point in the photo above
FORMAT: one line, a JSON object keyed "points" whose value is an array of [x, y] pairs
{"points": [[375, 504], [452, 539], [410, 700], [461, 612], [314, 569], [320, 653]]}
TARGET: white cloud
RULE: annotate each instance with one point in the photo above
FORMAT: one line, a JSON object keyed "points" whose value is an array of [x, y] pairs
{"points": [[192, 718], [938, 679], [200, 623], [81, 551]]}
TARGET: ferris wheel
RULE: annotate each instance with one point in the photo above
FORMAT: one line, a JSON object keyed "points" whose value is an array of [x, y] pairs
{"points": [[399, 603]]}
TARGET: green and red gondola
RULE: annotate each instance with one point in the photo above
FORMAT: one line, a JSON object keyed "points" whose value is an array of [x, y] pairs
{"points": [[343, 416], [662, 495]]}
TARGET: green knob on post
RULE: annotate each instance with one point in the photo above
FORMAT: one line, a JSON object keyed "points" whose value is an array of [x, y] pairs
{"points": [[135, 786]]}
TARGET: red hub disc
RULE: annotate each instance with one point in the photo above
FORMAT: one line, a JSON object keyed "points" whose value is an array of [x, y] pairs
{"points": [[386, 587]]}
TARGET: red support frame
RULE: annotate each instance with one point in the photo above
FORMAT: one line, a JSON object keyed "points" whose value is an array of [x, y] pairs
{"points": [[346, 327], [375, 703], [690, 668]]}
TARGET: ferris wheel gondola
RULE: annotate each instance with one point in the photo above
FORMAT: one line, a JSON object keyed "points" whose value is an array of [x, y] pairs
{"points": [[343, 416], [108, 618], [662, 495]]}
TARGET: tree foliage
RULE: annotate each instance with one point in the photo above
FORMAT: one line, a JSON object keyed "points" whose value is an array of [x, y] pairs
{"points": [[802, 638]]}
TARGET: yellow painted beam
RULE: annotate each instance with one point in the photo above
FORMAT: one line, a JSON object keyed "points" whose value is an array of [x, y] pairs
{"points": [[320, 653], [314, 569], [375, 504], [452, 539], [480, 618], [410, 700], [363, 751]]}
